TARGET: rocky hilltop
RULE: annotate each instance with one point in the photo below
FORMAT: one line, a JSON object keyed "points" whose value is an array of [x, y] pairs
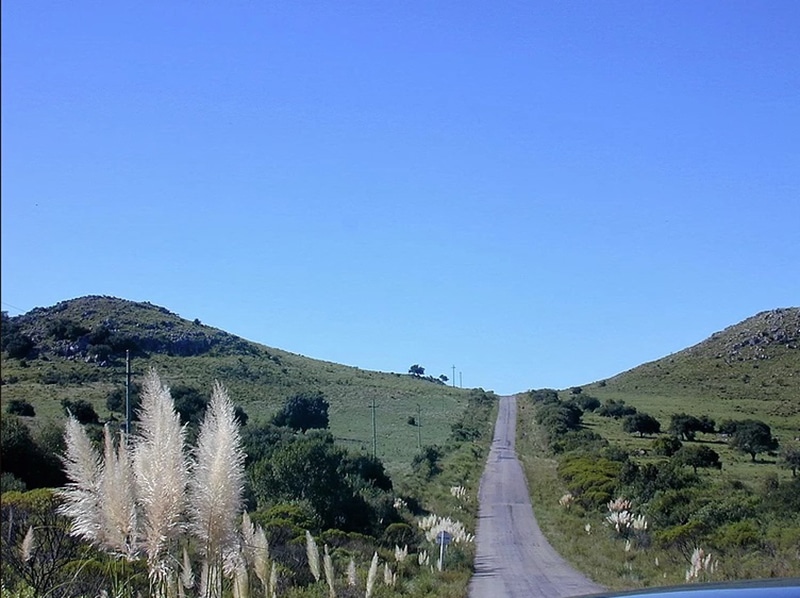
{"points": [[756, 338]]}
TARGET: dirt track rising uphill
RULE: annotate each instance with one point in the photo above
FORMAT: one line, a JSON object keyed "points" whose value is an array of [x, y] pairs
{"points": [[513, 558]]}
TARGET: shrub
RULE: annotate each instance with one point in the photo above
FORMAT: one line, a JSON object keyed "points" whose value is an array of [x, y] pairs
{"points": [[592, 480], [20, 407], [81, 410], [615, 409], [666, 446], [304, 411]]}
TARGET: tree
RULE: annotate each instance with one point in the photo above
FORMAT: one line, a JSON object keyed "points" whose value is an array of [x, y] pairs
{"points": [[416, 370], [790, 458], [697, 456], [753, 437], [641, 423], [304, 411], [443, 378], [686, 426]]}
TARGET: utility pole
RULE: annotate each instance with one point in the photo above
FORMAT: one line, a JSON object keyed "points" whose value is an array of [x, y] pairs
{"points": [[454, 376], [374, 431], [128, 375], [419, 427], [460, 383]]}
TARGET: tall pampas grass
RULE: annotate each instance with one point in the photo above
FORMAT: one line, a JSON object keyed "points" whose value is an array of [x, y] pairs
{"points": [[81, 495], [161, 469], [329, 573], [312, 552], [118, 498], [143, 500], [215, 489], [371, 575]]}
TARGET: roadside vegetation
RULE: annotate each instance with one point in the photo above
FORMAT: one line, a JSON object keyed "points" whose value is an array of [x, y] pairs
{"points": [[199, 504], [635, 501]]}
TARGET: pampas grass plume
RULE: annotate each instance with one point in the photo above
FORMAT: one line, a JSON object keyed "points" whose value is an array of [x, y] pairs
{"points": [[351, 573], [28, 544], [329, 573], [81, 493], [160, 468], [215, 489], [312, 552], [371, 575]]}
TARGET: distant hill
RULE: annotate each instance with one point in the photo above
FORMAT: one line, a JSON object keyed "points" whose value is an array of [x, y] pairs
{"points": [[76, 350], [750, 369]]}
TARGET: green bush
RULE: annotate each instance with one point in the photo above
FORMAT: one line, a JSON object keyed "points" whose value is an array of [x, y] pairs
{"points": [[592, 480], [20, 407]]}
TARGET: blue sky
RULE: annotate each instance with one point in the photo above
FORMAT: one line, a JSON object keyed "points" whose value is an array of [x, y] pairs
{"points": [[537, 193]]}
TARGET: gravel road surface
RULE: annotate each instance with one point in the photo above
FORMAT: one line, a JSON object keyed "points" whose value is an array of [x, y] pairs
{"points": [[513, 558]]}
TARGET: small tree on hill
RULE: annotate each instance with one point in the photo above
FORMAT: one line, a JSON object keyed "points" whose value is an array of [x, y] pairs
{"points": [[304, 411], [686, 426], [641, 423], [753, 437], [416, 370]]}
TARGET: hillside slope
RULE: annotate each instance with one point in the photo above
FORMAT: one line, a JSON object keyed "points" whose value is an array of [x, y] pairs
{"points": [[750, 369], [76, 350]]}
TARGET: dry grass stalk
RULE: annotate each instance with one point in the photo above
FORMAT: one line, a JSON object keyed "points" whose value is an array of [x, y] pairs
{"points": [[351, 573]]}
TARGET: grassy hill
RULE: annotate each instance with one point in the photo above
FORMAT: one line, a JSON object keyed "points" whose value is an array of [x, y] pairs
{"points": [[76, 350], [748, 370]]}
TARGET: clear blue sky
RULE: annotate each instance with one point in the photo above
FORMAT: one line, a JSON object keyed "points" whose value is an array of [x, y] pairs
{"points": [[537, 193]]}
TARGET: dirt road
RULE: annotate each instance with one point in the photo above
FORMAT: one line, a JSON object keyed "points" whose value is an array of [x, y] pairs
{"points": [[513, 558]]}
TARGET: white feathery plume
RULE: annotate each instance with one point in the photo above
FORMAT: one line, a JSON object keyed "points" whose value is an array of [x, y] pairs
{"points": [[312, 552], [28, 544], [261, 556], [187, 576], [215, 489], [329, 573], [273, 580], [81, 494], [351, 573], [371, 575], [160, 469], [248, 535], [241, 587], [388, 576], [118, 498]]}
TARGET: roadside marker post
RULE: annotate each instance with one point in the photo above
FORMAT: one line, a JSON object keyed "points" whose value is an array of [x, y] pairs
{"points": [[443, 538]]}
